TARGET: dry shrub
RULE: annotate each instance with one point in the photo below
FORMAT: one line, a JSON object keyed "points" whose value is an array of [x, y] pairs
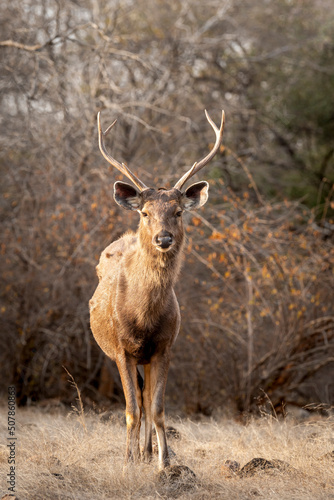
{"points": [[265, 319], [49, 246]]}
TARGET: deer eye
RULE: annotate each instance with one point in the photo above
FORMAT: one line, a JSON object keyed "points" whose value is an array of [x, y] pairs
{"points": [[178, 214], [144, 214]]}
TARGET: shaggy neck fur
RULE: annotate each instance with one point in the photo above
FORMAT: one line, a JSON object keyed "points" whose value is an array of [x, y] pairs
{"points": [[151, 275]]}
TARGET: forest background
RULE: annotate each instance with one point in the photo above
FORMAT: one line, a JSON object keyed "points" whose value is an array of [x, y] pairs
{"points": [[256, 290]]}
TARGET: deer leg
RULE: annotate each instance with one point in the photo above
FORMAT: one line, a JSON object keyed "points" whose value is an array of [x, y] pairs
{"points": [[159, 371], [133, 397], [147, 403]]}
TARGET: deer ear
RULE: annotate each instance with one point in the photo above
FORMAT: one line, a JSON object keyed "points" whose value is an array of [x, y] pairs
{"points": [[126, 196], [196, 195]]}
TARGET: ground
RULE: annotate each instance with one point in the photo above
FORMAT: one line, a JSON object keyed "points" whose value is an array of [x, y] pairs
{"points": [[75, 455]]}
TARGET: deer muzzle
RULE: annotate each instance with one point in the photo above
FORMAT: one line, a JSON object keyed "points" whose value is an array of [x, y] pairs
{"points": [[163, 241]]}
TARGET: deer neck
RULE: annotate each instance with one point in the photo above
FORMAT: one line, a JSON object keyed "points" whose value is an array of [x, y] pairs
{"points": [[149, 277], [153, 269]]}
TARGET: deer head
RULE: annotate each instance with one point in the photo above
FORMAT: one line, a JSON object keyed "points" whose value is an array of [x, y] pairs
{"points": [[161, 210]]}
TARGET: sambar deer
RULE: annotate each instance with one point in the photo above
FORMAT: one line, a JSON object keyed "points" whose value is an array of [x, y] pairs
{"points": [[134, 313]]}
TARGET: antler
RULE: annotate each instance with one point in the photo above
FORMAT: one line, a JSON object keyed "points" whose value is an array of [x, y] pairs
{"points": [[198, 165], [121, 167]]}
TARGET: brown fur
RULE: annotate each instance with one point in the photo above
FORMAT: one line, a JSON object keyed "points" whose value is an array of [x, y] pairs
{"points": [[135, 316]]}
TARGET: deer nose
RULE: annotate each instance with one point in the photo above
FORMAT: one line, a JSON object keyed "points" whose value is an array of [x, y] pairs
{"points": [[163, 239]]}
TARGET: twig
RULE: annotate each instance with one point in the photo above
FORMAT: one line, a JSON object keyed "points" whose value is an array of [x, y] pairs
{"points": [[80, 412], [249, 175]]}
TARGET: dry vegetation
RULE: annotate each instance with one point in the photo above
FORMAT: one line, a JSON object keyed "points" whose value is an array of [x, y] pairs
{"points": [[261, 252], [60, 458]]}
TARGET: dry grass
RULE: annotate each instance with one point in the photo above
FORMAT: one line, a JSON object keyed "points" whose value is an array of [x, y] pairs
{"points": [[59, 458]]}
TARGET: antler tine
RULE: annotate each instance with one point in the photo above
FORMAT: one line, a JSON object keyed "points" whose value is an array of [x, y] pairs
{"points": [[121, 167], [198, 165]]}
